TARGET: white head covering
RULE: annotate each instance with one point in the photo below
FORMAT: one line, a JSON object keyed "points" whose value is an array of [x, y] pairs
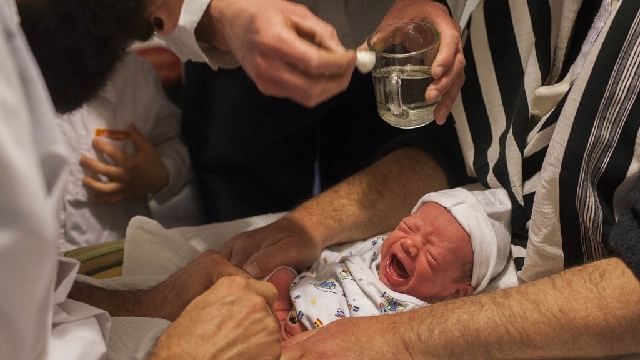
{"points": [[486, 217]]}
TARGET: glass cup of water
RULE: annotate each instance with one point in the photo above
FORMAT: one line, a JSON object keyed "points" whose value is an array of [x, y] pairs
{"points": [[404, 54]]}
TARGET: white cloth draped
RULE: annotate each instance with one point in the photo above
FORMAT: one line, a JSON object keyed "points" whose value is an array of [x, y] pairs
{"points": [[38, 322]]}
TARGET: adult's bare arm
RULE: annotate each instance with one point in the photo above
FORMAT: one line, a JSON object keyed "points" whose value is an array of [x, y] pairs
{"points": [[585, 312], [370, 202], [165, 300], [284, 48]]}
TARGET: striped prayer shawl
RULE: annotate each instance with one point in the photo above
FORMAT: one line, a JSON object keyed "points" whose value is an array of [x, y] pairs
{"points": [[563, 147]]}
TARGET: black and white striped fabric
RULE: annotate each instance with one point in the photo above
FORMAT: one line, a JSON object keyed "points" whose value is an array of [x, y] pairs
{"points": [[561, 140]]}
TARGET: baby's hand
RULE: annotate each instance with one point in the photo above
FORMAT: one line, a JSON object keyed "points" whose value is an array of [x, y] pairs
{"points": [[130, 175]]}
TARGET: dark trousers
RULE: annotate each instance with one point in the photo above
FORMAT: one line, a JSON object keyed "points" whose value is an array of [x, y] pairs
{"points": [[255, 154]]}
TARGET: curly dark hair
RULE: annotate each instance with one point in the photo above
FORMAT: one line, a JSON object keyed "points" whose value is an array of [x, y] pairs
{"points": [[78, 42]]}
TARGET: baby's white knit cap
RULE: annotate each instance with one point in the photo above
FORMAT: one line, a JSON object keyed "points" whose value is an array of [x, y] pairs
{"points": [[486, 217]]}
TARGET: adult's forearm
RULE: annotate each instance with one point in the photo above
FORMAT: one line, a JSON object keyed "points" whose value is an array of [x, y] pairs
{"points": [[166, 300], [589, 311], [163, 301], [372, 201], [116, 303]]}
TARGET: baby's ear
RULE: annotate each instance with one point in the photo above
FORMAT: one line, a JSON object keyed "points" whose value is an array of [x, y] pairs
{"points": [[462, 290]]}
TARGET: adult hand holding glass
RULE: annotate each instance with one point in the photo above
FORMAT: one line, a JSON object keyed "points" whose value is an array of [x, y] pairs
{"points": [[285, 49], [448, 67], [404, 54]]}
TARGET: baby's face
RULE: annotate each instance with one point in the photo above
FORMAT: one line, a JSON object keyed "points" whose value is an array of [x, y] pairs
{"points": [[424, 255]]}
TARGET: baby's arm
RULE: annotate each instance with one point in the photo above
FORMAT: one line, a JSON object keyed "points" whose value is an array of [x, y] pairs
{"points": [[281, 279]]}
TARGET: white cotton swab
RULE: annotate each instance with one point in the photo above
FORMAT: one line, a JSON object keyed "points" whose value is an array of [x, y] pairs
{"points": [[365, 60]]}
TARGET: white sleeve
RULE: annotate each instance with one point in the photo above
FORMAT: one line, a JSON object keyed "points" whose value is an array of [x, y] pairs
{"points": [[165, 135], [183, 40], [158, 119], [79, 331], [33, 160], [27, 260]]}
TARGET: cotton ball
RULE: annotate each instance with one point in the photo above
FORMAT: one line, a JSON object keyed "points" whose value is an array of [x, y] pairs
{"points": [[365, 60]]}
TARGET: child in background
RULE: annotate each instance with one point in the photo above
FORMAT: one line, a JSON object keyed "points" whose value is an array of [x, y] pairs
{"points": [[125, 148], [452, 245]]}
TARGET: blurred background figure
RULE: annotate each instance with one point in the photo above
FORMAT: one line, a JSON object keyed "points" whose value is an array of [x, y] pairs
{"points": [[125, 149]]}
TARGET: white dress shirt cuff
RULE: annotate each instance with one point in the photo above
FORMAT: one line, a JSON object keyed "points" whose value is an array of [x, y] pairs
{"points": [[183, 40]]}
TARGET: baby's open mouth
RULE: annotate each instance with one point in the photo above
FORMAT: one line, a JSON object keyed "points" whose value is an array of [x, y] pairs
{"points": [[397, 268]]}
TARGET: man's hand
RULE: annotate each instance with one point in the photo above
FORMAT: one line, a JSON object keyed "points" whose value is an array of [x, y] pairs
{"points": [[282, 243], [131, 175], [448, 67], [189, 282], [285, 49], [232, 320]]}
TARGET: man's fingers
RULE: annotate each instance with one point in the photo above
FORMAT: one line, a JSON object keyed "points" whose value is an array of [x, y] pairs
{"points": [[449, 46], [445, 105], [263, 262], [324, 86], [264, 289], [456, 67], [227, 251], [319, 32]]}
